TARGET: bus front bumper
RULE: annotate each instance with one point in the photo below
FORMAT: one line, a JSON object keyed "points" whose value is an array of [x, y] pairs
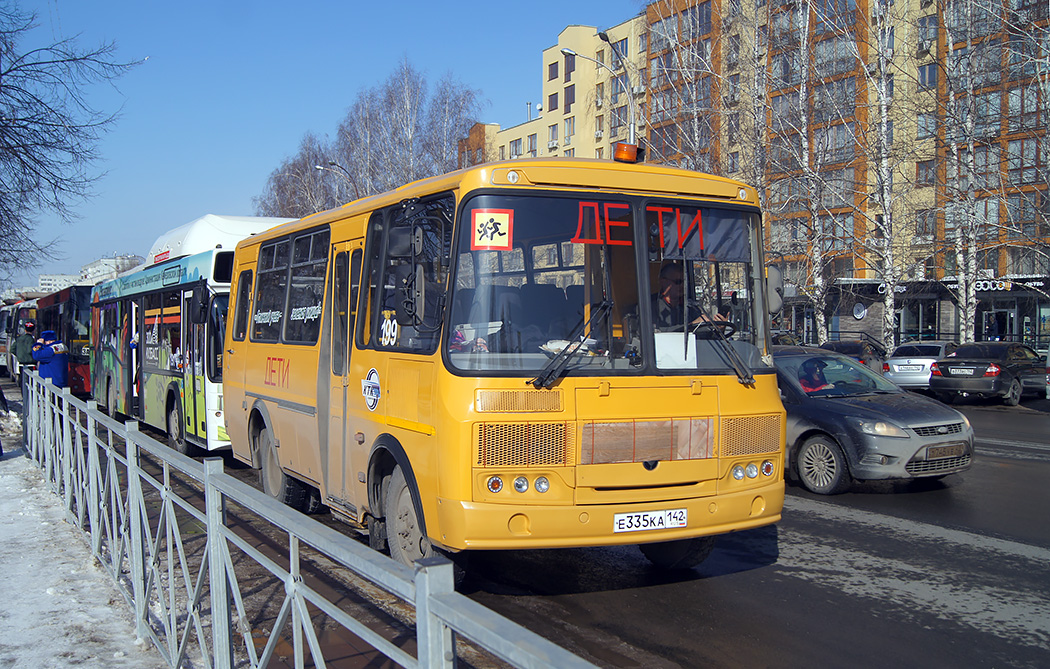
{"points": [[485, 526]]}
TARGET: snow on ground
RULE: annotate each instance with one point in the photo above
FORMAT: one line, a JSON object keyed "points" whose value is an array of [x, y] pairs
{"points": [[57, 607]]}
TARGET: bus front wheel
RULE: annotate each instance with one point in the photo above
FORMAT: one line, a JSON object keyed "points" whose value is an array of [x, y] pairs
{"points": [[403, 531], [274, 481], [176, 435], [680, 554]]}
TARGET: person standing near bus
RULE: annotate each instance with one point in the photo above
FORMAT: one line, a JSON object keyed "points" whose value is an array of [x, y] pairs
{"points": [[23, 346], [52, 359]]}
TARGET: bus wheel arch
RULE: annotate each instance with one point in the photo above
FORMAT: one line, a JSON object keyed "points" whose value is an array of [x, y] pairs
{"points": [[389, 466], [258, 420]]}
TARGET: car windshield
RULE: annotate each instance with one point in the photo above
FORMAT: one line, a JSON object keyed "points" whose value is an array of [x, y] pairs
{"points": [[831, 376], [554, 285], [980, 351], [917, 351]]}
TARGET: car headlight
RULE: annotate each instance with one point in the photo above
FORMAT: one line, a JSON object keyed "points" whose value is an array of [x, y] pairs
{"points": [[881, 428]]}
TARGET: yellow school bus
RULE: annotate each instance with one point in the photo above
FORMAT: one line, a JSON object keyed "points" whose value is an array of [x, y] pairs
{"points": [[528, 354]]}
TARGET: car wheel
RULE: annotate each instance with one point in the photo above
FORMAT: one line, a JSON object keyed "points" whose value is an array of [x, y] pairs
{"points": [[272, 478], [680, 554], [822, 466], [1013, 396], [403, 530]]}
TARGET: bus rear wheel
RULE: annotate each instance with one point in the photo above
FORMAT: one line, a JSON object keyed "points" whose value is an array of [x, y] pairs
{"points": [[272, 478], [680, 554], [404, 532]]}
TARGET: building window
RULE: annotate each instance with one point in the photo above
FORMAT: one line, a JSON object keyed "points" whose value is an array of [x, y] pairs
{"points": [[925, 225], [928, 33], [569, 153], [570, 67], [927, 126], [552, 102], [599, 153], [570, 98], [570, 128], [1023, 161], [502, 152], [619, 51], [733, 165], [643, 43], [1023, 108], [1026, 216], [925, 173], [515, 148], [552, 71], [532, 145], [928, 76], [599, 123], [552, 133]]}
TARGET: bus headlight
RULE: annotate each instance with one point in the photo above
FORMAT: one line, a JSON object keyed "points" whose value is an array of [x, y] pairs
{"points": [[495, 484], [521, 484], [752, 470], [738, 473], [542, 484]]}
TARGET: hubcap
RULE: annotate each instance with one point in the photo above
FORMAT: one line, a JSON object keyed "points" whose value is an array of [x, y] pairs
{"points": [[818, 465]]}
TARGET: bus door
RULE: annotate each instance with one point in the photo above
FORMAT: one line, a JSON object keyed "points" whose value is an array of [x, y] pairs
{"points": [[233, 364], [346, 272], [193, 409]]}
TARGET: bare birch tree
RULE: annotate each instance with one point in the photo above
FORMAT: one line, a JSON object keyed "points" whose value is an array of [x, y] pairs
{"points": [[298, 188], [49, 132]]}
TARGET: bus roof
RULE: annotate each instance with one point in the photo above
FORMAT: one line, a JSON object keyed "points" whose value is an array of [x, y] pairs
{"points": [[559, 173], [208, 232]]}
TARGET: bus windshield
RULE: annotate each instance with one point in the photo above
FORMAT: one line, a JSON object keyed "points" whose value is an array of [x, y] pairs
{"points": [[606, 285]]}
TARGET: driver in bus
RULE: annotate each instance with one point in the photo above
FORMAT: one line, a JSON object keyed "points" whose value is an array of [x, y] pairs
{"points": [[667, 304]]}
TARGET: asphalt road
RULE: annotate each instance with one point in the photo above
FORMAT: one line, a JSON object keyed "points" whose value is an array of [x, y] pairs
{"points": [[938, 573]]}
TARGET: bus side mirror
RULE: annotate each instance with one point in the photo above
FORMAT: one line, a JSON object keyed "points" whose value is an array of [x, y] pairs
{"points": [[199, 306], [774, 289]]}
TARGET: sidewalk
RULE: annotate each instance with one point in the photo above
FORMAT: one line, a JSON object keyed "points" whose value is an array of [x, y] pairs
{"points": [[58, 609]]}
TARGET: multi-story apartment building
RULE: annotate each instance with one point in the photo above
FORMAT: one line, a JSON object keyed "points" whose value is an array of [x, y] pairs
{"points": [[893, 141], [587, 100], [900, 145]]}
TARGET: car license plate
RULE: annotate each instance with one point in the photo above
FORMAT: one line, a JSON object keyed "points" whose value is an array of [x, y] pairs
{"points": [[909, 368], [649, 520], [962, 371], [938, 452]]}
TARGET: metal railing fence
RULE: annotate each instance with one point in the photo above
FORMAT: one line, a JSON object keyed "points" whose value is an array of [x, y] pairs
{"points": [[179, 555]]}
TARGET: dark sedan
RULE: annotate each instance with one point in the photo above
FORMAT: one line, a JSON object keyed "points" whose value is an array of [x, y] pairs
{"points": [[989, 369], [845, 422]]}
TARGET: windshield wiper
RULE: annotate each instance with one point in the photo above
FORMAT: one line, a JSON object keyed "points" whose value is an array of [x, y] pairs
{"points": [[743, 372], [556, 365]]}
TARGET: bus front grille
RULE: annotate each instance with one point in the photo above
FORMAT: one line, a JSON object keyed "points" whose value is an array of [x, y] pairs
{"points": [[750, 435], [524, 444]]}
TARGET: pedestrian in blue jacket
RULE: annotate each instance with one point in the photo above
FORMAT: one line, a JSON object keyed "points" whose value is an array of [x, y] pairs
{"points": [[52, 359]]}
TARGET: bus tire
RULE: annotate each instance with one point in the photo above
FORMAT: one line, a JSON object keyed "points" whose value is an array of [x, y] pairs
{"points": [[111, 400], [403, 530], [176, 433], [680, 554], [272, 478], [822, 466]]}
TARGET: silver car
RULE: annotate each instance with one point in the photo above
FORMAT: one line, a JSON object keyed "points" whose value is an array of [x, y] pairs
{"points": [[909, 365]]}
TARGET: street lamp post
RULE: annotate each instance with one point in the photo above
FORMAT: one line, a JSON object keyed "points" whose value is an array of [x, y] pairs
{"points": [[625, 82], [341, 171]]}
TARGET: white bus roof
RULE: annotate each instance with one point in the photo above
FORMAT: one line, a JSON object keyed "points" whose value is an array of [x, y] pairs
{"points": [[208, 232]]}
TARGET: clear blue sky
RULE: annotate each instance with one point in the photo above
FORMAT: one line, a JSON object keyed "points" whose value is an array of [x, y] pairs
{"points": [[230, 87]]}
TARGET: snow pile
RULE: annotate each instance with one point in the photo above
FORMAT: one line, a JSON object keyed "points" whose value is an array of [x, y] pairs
{"points": [[58, 608]]}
